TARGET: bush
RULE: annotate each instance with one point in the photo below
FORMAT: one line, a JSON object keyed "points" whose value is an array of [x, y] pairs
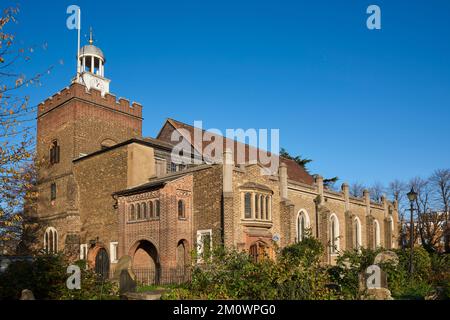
{"points": [[295, 275], [46, 277]]}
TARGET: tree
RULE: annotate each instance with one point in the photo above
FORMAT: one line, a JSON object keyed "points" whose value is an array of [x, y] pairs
{"points": [[16, 132], [377, 191], [397, 190], [357, 189], [440, 180], [303, 162], [429, 222], [330, 183]]}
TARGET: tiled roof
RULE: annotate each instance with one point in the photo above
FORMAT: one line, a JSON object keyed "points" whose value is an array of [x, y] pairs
{"points": [[295, 171]]}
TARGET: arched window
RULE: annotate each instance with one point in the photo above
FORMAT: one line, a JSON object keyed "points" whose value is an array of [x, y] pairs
{"points": [[54, 152], [51, 240], [376, 234], [157, 208], [268, 208], [248, 205], [132, 213], [144, 210], [138, 212], [334, 234], [181, 210], [357, 234], [302, 225], [151, 209]]}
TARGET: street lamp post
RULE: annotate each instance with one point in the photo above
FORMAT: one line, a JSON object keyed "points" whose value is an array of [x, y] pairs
{"points": [[412, 196]]}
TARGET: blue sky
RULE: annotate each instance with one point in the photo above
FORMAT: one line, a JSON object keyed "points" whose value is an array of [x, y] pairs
{"points": [[366, 105]]}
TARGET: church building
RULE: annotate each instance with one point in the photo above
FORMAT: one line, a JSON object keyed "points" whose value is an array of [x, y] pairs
{"points": [[106, 191]]}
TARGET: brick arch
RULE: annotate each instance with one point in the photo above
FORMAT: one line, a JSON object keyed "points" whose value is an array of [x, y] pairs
{"points": [[106, 142], [92, 254], [145, 255]]}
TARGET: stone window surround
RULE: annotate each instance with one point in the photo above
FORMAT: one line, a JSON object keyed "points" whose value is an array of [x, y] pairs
{"points": [[51, 245], [262, 211], [113, 249], [304, 213], [200, 234], [84, 248], [334, 251]]}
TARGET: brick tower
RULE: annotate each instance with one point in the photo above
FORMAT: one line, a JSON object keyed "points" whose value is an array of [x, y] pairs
{"points": [[81, 119]]}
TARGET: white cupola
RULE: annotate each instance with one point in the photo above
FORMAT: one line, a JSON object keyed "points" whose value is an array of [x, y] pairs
{"points": [[91, 67]]}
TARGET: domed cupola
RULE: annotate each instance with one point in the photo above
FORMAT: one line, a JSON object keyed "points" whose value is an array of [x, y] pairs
{"points": [[91, 67]]}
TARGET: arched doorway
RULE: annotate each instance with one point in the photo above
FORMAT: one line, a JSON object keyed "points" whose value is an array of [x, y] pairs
{"points": [[102, 263], [146, 264]]}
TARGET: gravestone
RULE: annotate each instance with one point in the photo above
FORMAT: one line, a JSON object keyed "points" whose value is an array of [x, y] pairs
{"points": [[125, 275], [27, 295]]}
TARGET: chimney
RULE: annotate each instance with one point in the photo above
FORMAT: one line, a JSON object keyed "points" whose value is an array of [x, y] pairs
{"points": [[228, 165]]}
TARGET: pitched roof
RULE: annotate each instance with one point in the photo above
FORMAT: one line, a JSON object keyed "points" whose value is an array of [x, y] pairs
{"points": [[295, 171]]}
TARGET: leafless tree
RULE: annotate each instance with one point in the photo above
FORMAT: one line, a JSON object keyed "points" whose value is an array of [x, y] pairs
{"points": [[429, 222], [397, 191], [376, 191], [440, 181], [356, 189]]}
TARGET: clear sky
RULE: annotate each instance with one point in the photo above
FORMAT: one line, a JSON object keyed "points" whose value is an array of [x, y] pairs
{"points": [[366, 105]]}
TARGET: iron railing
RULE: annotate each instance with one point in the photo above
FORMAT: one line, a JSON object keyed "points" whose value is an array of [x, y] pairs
{"points": [[149, 276]]}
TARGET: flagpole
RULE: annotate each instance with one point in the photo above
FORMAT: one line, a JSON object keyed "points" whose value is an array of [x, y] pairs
{"points": [[78, 52]]}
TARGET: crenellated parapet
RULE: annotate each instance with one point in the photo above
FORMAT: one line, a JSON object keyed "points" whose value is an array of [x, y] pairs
{"points": [[79, 91]]}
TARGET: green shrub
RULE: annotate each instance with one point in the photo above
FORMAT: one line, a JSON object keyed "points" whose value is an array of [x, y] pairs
{"points": [[296, 274], [46, 277]]}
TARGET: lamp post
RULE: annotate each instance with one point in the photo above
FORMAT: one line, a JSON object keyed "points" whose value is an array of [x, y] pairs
{"points": [[412, 196]]}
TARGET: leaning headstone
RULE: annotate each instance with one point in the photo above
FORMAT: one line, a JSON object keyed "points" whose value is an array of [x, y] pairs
{"points": [[126, 282], [125, 275], [27, 295]]}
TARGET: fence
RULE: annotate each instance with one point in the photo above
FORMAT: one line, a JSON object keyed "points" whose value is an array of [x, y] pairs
{"points": [[147, 276]]}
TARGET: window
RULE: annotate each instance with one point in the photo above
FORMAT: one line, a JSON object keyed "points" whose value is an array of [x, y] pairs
{"points": [[302, 225], [256, 206], [114, 251], [173, 167], [83, 251], [157, 208], [334, 234], [248, 205], [181, 210], [357, 234], [53, 191], [376, 234], [204, 245], [151, 209], [132, 213], [144, 210], [54, 152], [138, 212], [51, 240]]}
